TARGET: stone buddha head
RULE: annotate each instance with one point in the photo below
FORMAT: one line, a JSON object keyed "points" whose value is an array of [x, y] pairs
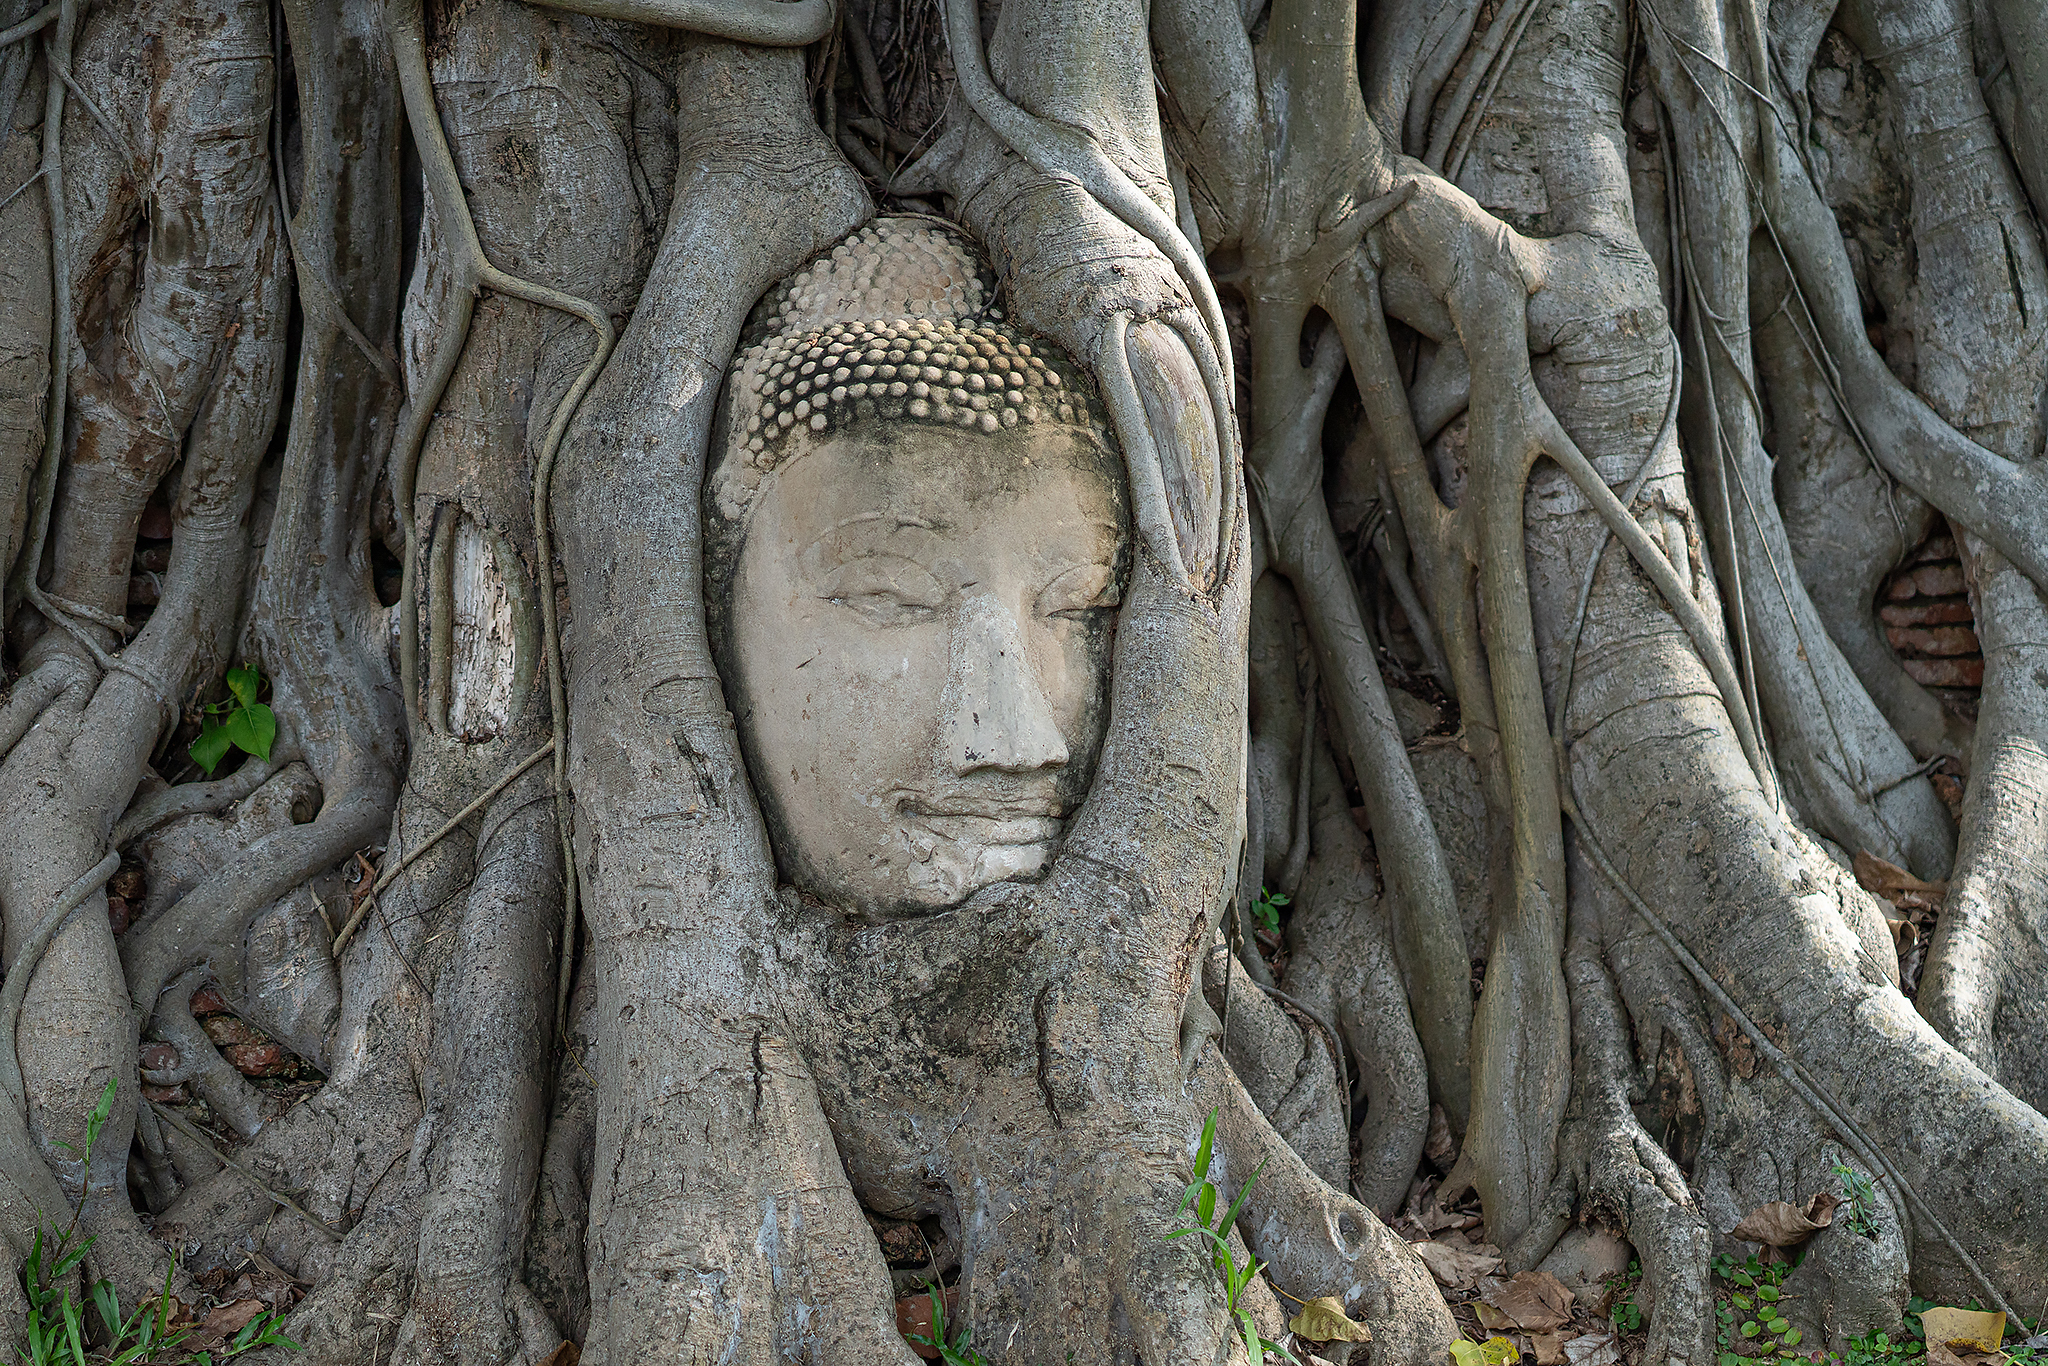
{"points": [[916, 535]]}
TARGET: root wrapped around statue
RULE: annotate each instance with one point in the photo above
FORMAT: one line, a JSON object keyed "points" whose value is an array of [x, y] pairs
{"points": [[680, 671]]}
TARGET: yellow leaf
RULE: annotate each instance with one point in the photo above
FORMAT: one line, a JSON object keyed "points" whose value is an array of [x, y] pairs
{"points": [[1495, 1351], [1323, 1320], [1971, 1328]]}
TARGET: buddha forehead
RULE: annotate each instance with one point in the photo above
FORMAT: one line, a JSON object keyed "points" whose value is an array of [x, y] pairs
{"points": [[965, 502]]}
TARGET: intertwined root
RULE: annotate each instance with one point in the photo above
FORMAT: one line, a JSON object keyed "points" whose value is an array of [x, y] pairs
{"points": [[1650, 667]]}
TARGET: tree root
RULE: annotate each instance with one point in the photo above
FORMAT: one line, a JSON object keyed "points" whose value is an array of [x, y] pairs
{"points": [[1344, 963], [1316, 1241], [199, 1062]]}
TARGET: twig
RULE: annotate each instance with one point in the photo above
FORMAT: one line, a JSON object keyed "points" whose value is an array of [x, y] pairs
{"points": [[386, 878], [242, 1169]]}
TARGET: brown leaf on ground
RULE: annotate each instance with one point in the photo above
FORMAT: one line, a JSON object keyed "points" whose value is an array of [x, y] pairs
{"points": [[1458, 1264], [230, 1318], [1593, 1349], [1536, 1300], [1895, 884], [568, 1354], [1780, 1225], [1549, 1348]]}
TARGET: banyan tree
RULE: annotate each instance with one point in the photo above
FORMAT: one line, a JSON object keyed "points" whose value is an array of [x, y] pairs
{"points": [[654, 645]]}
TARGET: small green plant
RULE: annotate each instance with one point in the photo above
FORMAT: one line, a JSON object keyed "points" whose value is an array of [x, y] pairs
{"points": [[240, 722], [1753, 1313], [1266, 910], [1625, 1314], [56, 1332], [1859, 1194], [957, 1352], [1878, 1349], [1201, 1194]]}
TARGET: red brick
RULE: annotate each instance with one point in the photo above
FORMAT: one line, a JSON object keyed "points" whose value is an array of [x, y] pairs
{"points": [[1948, 611], [1938, 580], [1937, 548], [165, 1095], [914, 1315], [258, 1059], [1946, 673], [1934, 641], [207, 1001], [119, 914], [158, 1057], [226, 1029]]}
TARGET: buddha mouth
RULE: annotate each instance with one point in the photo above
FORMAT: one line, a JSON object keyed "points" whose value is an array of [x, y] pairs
{"points": [[989, 820]]}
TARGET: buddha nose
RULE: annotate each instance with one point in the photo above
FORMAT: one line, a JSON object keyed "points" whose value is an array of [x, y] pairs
{"points": [[997, 715]]}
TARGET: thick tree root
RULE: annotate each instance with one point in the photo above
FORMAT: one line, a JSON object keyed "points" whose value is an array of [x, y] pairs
{"points": [[1315, 1240]]}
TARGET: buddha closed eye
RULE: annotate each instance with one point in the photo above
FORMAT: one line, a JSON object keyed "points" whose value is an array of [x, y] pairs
{"points": [[919, 624]]}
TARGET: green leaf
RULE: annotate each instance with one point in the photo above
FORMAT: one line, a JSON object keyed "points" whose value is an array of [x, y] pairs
{"points": [[243, 683], [1205, 1203], [1202, 1152], [1740, 1301], [1792, 1338], [1768, 1292], [1250, 1328], [1751, 1329], [252, 729], [73, 1330], [1238, 1204], [211, 746]]}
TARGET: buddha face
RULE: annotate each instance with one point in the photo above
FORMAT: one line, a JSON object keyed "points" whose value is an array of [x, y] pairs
{"points": [[920, 624]]}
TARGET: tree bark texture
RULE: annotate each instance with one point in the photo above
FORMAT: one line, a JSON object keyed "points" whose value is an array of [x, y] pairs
{"points": [[1589, 558]]}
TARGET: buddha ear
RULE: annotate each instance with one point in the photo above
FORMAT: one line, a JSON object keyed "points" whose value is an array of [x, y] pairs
{"points": [[1181, 458]]}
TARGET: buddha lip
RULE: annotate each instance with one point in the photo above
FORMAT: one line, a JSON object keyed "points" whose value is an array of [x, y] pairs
{"points": [[991, 809], [988, 824], [1017, 832]]}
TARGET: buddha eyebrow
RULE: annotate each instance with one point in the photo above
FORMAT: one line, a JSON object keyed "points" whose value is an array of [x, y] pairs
{"points": [[848, 532], [901, 520]]}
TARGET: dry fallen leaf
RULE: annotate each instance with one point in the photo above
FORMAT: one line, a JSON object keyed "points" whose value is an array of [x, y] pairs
{"points": [[1895, 884], [229, 1319], [1971, 1328], [1323, 1320], [1536, 1301], [568, 1354], [1781, 1225], [1458, 1265], [1549, 1348], [1593, 1349]]}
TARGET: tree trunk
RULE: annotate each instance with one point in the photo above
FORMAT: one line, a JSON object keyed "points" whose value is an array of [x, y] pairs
{"points": [[1521, 738]]}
